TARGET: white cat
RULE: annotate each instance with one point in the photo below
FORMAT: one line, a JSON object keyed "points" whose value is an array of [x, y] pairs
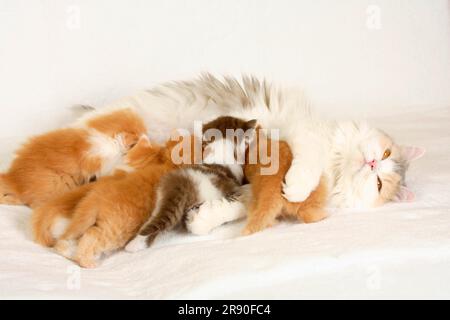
{"points": [[365, 166]]}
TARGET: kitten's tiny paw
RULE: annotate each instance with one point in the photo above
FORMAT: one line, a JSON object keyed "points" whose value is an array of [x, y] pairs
{"points": [[247, 232], [66, 248], [299, 184], [197, 221], [253, 227], [87, 263], [137, 244]]}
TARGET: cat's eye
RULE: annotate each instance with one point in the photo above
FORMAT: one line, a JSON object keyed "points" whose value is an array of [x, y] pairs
{"points": [[386, 154], [379, 184]]}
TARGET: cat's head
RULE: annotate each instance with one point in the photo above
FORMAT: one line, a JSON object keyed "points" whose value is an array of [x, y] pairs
{"points": [[368, 167], [226, 139]]}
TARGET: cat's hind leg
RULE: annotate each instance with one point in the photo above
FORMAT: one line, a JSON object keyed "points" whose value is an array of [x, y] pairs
{"points": [[262, 215], [83, 217], [91, 245], [50, 221]]}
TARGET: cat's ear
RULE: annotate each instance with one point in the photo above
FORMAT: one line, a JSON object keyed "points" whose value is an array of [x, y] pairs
{"points": [[411, 153], [249, 138], [404, 195], [251, 124], [143, 141]]}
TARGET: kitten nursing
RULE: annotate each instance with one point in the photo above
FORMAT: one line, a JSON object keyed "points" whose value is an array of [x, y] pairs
{"points": [[103, 216], [262, 201], [320, 162], [51, 164], [182, 192]]}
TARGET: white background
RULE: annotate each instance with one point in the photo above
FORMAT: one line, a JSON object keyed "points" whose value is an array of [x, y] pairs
{"points": [[56, 53]]}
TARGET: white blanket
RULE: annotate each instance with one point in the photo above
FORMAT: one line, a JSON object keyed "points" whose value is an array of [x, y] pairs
{"points": [[397, 251]]}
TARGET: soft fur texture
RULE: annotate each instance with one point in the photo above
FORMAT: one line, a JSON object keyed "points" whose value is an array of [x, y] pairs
{"points": [[359, 165], [105, 215], [267, 202], [51, 164], [263, 204], [182, 192], [337, 150]]}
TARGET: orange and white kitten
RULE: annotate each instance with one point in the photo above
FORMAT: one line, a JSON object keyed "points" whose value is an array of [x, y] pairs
{"points": [[103, 216], [51, 164]]}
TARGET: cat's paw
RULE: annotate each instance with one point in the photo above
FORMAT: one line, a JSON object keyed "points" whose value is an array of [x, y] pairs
{"points": [[66, 248], [248, 231], [87, 263], [198, 221], [137, 244], [254, 226], [299, 184]]}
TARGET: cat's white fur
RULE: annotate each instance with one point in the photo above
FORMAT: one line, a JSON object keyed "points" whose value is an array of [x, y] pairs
{"points": [[215, 213], [336, 149], [111, 150], [179, 105]]}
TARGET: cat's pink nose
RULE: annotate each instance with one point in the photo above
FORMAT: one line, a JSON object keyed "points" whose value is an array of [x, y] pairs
{"points": [[372, 164]]}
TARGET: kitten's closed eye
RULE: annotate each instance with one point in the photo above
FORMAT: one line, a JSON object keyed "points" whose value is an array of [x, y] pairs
{"points": [[379, 184], [193, 208]]}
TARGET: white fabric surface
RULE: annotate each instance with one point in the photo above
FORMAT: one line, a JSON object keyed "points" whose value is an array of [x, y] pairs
{"points": [[397, 251]]}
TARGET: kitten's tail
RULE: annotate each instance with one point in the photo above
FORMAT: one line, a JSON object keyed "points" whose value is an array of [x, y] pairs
{"points": [[176, 194], [43, 221], [8, 195]]}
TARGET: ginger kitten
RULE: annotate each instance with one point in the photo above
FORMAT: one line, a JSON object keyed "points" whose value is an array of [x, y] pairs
{"points": [[105, 215], [51, 164], [267, 203]]}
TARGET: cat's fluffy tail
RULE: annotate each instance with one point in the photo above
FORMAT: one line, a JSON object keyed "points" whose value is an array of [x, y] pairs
{"points": [[8, 195]]}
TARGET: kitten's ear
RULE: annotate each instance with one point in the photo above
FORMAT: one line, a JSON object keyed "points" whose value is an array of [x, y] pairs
{"points": [[143, 141], [411, 153], [405, 195], [251, 124]]}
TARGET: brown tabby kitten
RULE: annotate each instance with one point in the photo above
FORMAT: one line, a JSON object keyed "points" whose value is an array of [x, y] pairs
{"points": [[182, 192]]}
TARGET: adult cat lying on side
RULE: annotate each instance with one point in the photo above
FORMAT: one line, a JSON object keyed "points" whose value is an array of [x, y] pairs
{"points": [[364, 166]]}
